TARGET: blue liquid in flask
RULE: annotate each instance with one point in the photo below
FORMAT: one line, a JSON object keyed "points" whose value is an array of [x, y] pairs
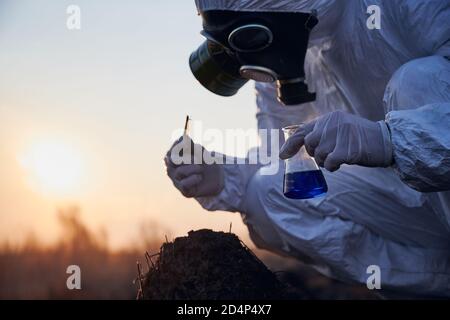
{"points": [[304, 184]]}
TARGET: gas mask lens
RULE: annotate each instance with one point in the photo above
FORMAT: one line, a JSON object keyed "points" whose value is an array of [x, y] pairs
{"points": [[250, 38], [253, 38]]}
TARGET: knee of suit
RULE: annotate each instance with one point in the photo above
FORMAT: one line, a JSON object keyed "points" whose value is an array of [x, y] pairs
{"points": [[262, 186]]}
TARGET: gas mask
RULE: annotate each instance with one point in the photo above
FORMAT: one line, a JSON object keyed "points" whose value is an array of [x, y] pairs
{"points": [[260, 46]]}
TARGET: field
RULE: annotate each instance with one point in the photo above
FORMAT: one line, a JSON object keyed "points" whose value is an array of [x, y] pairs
{"points": [[34, 271]]}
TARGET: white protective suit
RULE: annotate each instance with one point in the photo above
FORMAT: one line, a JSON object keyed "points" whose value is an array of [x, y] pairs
{"points": [[397, 218]]}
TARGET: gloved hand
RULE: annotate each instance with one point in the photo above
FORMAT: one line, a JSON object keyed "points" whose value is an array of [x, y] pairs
{"points": [[339, 137], [195, 180]]}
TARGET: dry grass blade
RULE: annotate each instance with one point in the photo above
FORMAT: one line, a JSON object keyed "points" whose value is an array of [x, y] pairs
{"points": [[140, 276]]}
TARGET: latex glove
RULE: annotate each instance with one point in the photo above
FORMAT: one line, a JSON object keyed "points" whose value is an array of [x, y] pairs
{"points": [[339, 137], [195, 180]]}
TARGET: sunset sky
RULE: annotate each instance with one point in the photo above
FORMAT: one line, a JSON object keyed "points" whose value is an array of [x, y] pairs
{"points": [[87, 115]]}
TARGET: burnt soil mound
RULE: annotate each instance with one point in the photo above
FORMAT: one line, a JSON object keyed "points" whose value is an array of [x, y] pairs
{"points": [[210, 265]]}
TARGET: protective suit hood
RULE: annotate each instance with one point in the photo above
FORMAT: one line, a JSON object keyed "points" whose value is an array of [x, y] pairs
{"points": [[265, 5], [327, 10]]}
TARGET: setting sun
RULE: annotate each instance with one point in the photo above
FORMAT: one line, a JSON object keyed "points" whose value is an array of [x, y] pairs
{"points": [[53, 167]]}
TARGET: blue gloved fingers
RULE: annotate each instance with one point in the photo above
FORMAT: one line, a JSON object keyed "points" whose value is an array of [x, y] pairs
{"points": [[169, 164], [188, 186], [312, 139], [334, 160], [170, 168], [320, 143], [309, 147], [321, 153], [295, 142], [182, 172], [291, 146], [341, 153]]}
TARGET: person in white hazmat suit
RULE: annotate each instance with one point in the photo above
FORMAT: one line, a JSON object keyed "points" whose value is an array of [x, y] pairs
{"points": [[380, 126]]}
